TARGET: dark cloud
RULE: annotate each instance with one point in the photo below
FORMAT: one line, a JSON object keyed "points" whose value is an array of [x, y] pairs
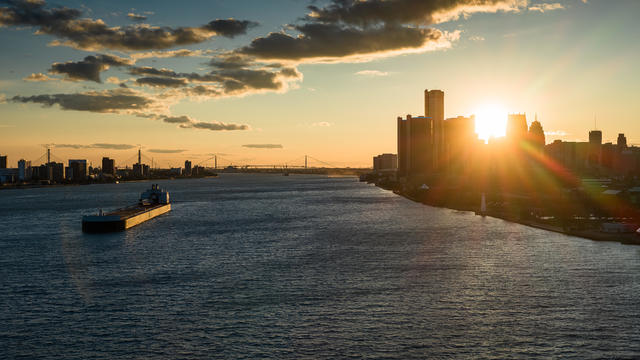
{"points": [[90, 34], [336, 41], [161, 82], [230, 62], [96, 146], [95, 101], [229, 27], [217, 126], [229, 80], [419, 12], [89, 68], [177, 119], [263, 146], [186, 122], [166, 151], [136, 17]]}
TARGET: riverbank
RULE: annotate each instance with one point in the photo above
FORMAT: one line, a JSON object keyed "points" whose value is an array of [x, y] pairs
{"points": [[590, 234], [38, 186]]}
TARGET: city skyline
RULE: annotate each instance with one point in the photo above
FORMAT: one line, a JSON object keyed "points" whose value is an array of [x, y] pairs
{"points": [[521, 57]]}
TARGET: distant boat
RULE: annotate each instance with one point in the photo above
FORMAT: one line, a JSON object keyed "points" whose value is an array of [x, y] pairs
{"points": [[152, 203]]}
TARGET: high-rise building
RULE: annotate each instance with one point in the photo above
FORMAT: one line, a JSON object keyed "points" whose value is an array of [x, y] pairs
{"points": [[187, 168], [536, 135], [415, 145], [517, 127], [3, 162], [79, 170], [385, 162], [622, 142], [459, 137], [434, 109], [108, 166], [24, 170], [595, 147]]}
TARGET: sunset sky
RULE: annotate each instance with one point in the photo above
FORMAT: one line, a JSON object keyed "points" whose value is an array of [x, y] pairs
{"points": [[266, 82]]}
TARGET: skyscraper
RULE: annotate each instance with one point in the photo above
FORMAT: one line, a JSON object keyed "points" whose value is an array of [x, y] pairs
{"points": [[517, 127], [3, 162], [187, 168], [108, 166], [415, 145], [536, 135], [595, 147], [434, 109]]}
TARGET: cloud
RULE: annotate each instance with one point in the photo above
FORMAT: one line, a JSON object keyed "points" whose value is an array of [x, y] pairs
{"points": [[89, 68], [326, 42], [263, 146], [161, 82], [227, 81], [321, 124], [476, 38], [185, 122], [136, 17], [96, 146], [170, 54], [546, 7], [39, 77], [416, 12], [166, 151], [89, 34], [372, 73], [106, 101], [230, 27]]}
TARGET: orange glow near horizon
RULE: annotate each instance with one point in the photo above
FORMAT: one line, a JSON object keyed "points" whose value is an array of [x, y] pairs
{"points": [[491, 121]]}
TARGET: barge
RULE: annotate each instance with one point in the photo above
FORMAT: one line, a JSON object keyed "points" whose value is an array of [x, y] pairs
{"points": [[152, 203]]}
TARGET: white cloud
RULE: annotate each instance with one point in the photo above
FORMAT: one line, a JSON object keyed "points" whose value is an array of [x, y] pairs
{"points": [[546, 7], [372, 73], [476, 38]]}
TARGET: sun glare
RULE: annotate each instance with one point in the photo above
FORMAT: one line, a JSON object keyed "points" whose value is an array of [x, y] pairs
{"points": [[491, 121]]}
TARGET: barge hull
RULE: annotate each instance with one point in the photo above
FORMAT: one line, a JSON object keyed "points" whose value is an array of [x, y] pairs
{"points": [[102, 224]]}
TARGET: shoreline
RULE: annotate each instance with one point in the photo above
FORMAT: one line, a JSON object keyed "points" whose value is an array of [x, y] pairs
{"points": [[593, 234]]}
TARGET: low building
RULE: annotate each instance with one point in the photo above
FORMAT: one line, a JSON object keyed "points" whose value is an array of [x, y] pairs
{"points": [[385, 162]]}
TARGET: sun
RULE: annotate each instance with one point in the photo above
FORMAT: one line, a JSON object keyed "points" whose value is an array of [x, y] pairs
{"points": [[491, 121]]}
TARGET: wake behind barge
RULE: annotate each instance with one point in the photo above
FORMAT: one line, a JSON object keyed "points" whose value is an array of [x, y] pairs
{"points": [[153, 202]]}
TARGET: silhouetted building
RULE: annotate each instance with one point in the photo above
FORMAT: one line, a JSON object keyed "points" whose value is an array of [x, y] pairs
{"points": [[536, 135], [24, 170], [434, 109], [187, 168], [108, 166], [3, 162], [622, 142], [78, 170], [595, 147], [141, 170], [57, 171], [385, 162], [459, 138], [415, 156], [516, 127]]}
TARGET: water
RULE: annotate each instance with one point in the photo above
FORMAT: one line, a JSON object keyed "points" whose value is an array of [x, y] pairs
{"points": [[266, 266]]}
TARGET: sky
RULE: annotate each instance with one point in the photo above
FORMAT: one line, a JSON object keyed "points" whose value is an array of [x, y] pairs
{"points": [[267, 82]]}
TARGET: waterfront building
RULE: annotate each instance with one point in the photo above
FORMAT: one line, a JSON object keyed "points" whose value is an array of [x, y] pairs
{"points": [[622, 142], [415, 145], [141, 170], [459, 138], [434, 109], [595, 148], [24, 170], [385, 162], [78, 170], [517, 129], [187, 168], [536, 135], [108, 166], [3, 161]]}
